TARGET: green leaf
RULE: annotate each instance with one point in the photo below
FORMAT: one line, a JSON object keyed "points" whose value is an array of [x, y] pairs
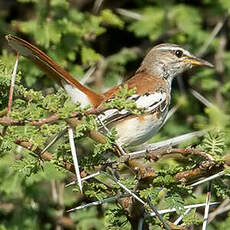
{"points": [[110, 18], [150, 24], [89, 56]]}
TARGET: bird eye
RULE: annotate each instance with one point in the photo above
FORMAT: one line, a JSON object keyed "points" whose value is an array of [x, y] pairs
{"points": [[178, 53]]}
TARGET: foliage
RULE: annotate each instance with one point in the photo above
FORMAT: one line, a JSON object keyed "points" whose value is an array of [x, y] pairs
{"points": [[214, 143], [120, 100], [78, 35]]}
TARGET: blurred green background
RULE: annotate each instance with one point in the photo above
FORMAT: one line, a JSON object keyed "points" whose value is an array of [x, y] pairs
{"points": [[112, 36]]}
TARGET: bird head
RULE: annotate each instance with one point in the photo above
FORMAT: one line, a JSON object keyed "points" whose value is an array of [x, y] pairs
{"points": [[168, 60]]}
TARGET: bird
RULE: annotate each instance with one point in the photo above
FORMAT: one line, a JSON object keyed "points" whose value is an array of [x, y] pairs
{"points": [[152, 82]]}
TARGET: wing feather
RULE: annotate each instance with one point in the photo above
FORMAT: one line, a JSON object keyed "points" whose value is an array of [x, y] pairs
{"points": [[147, 102]]}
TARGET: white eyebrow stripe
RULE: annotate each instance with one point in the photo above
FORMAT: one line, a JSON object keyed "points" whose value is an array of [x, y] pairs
{"points": [[168, 48]]}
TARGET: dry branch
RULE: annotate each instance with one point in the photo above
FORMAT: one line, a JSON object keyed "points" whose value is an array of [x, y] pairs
{"points": [[207, 168], [46, 156], [6, 121]]}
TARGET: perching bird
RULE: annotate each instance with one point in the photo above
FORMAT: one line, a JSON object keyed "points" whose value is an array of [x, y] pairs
{"points": [[152, 80]]}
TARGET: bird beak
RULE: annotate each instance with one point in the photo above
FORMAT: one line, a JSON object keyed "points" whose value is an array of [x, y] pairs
{"points": [[198, 61]]}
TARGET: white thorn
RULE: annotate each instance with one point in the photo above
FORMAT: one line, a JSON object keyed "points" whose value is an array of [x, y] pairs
{"points": [[74, 155]]}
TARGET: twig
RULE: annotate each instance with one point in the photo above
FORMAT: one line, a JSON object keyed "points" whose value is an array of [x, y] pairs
{"points": [[93, 134], [97, 5], [116, 142], [219, 174], [170, 113], [183, 151], [87, 75], [201, 98], [45, 156], [158, 214], [110, 199], [117, 182], [84, 178], [6, 121], [206, 211], [60, 134], [98, 202], [159, 153], [215, 31], [206, 168], [12, 85], [185, 207], [169, 142], [220, 65], [223, 207], [74, 155], [180, 218], [129, 13], [124, 187]]}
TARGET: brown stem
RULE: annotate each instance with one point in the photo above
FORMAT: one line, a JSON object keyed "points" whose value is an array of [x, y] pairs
{"points": [[6, 121], [206, 169], [159, 153], [46, 156], [12, 86]]}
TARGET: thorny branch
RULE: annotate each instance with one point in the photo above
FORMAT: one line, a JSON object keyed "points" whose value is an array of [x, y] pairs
{"points": [[159, 153], [6, 121], [207, 167], [146, 174], [46, 156]]}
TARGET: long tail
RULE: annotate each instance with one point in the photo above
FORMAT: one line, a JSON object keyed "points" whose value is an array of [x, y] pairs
{"points": [[52, 69]]}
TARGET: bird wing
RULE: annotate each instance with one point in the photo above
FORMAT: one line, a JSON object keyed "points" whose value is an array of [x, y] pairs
{"points": [[148, 103]]}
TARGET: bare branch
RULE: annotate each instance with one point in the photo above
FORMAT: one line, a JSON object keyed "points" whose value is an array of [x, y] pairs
{"points": [[180, 218], [219, 174], [159, 153], [206, 212], [223, 207], [87, 75], [185, 207], [6, 121], [201, 98], [60, 134], [98, 202], [45, 156], [205, 169], [212, 36], [158, 214], [129, 13], [12, 85], [169, 142], [97, 5], [125, 188]]}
